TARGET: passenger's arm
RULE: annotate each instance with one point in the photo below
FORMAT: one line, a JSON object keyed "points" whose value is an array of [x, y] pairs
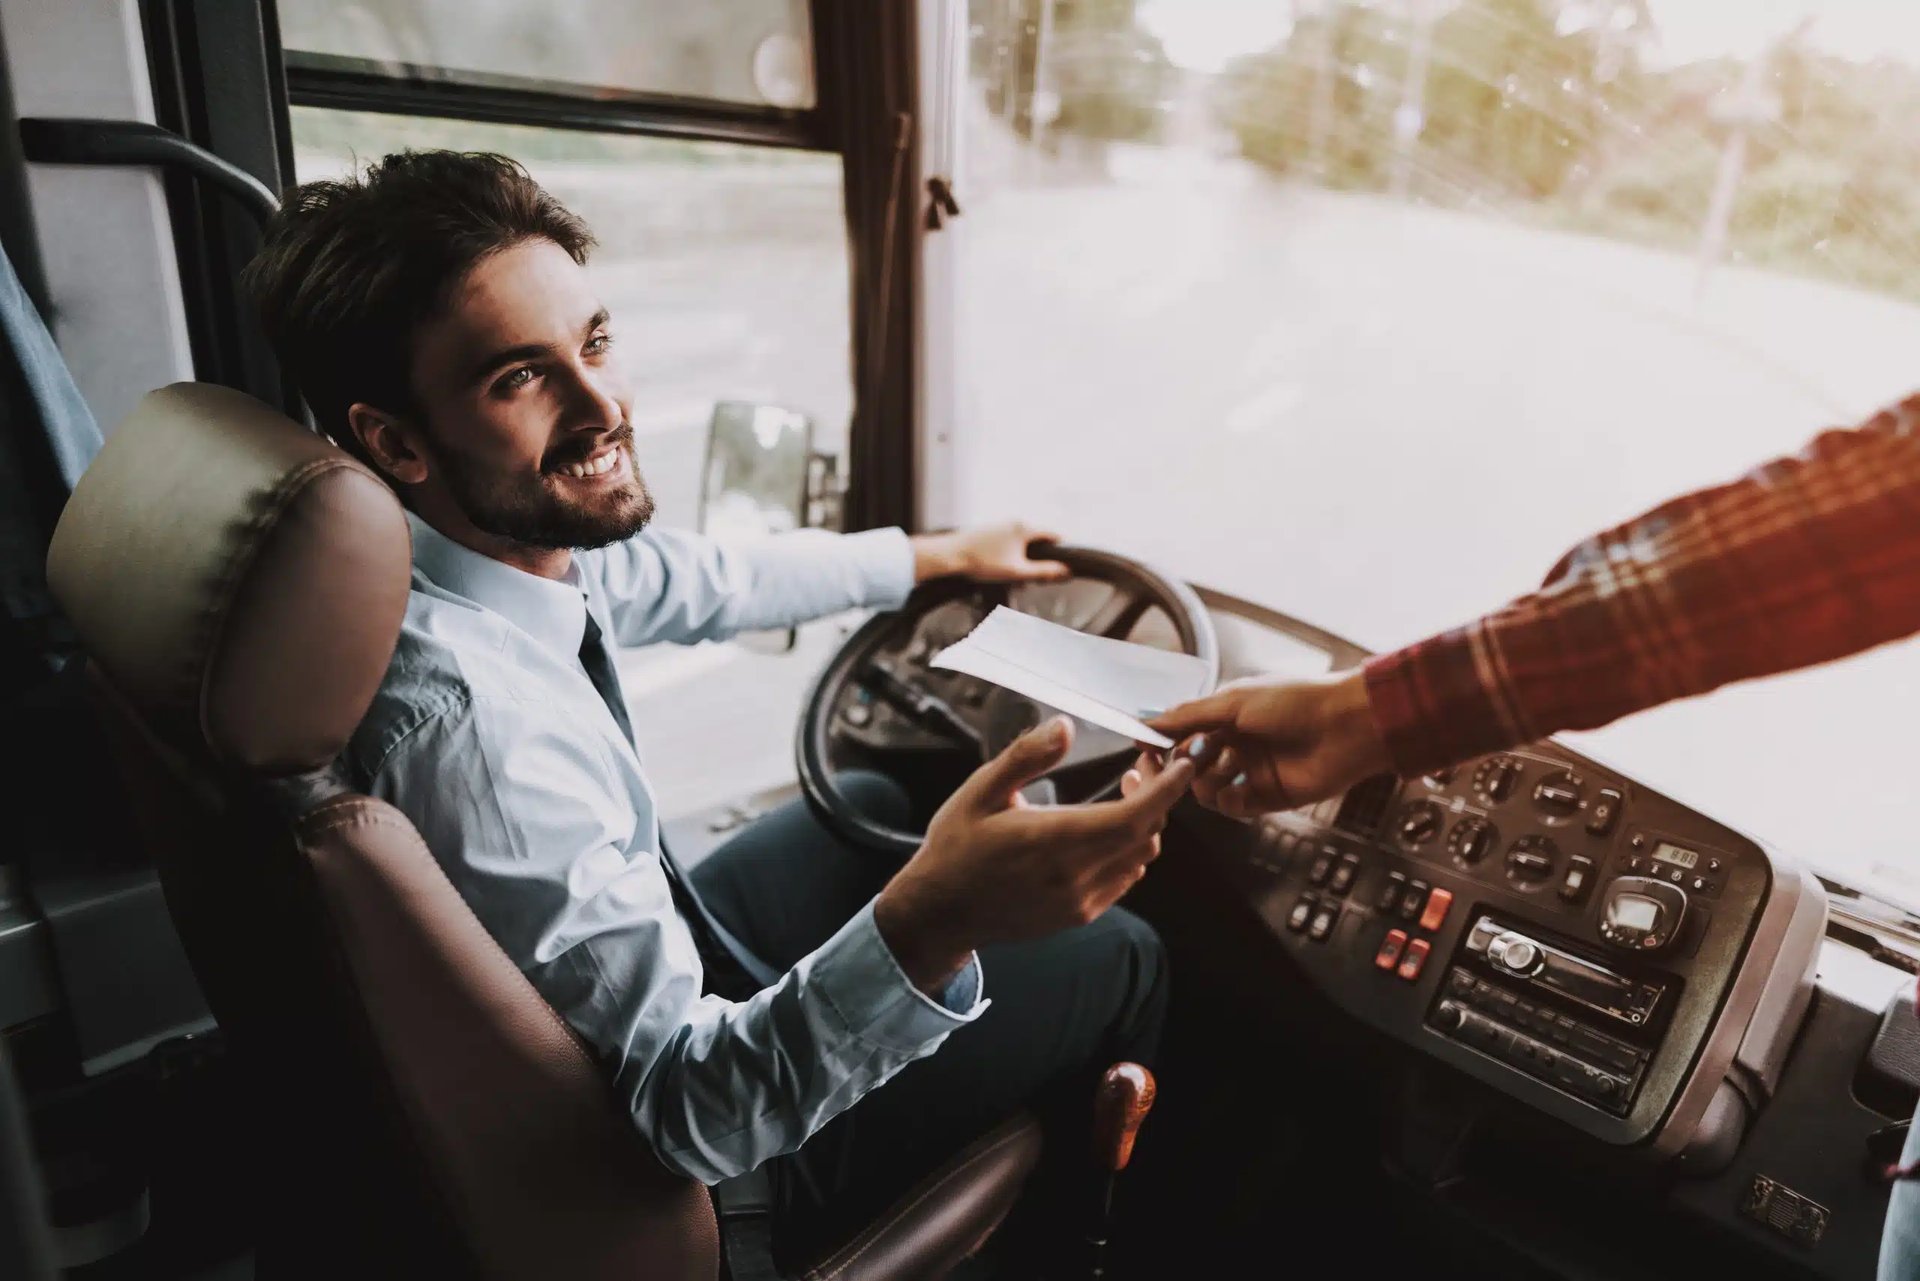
{"points": [[671, 585], [538, 834], [1804, 560], [1807, 559]]}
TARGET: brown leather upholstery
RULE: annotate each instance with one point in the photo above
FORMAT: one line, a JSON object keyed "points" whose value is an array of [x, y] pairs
{"points": [[239, 585], [342, 1186], [960, 1204], [543, 1176]]}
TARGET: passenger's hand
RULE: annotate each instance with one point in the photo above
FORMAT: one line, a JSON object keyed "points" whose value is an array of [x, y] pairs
{"points": [[1273, 744], [995, 868], [990, 554]]}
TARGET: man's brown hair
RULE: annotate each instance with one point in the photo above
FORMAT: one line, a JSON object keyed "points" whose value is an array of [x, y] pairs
{"points": [[350, 269]]}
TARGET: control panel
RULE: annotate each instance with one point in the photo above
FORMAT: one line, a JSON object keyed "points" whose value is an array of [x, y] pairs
{"points": [[1592, 947]]}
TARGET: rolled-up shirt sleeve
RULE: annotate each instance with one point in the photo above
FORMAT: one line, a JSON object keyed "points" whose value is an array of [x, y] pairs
{"points": [[672, 585], [529, 821]]}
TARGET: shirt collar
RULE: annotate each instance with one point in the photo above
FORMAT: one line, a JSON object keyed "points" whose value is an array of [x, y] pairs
{"points": [[552, 611]]}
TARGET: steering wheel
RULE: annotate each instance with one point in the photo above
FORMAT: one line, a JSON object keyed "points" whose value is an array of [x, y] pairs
{"points": [[879, 700]]}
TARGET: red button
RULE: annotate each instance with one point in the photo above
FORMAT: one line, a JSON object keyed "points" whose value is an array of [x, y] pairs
{"points": [[1415, 960], [1437, 904], [1390, 948]]}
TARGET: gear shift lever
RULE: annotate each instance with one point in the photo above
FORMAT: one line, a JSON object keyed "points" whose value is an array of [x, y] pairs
{"points": [[1119, 1107]]}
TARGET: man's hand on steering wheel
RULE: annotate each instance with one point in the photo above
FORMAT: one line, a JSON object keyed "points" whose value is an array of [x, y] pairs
{"points": [[989, 554], [995, 869]]}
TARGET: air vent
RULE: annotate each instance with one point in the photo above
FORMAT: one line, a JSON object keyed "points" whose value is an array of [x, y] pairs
{"points": [[1365, 804]]}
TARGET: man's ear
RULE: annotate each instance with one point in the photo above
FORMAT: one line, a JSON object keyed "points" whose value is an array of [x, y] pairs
{"points": [[388, 442]]}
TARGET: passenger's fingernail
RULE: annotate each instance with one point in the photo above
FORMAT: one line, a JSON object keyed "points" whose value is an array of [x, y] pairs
{"points": [[1198, 747], [1239, 780], [1148, 713]]}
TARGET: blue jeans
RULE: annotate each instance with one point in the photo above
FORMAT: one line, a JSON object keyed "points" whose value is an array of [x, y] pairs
{"points": [[1900, 1238]]}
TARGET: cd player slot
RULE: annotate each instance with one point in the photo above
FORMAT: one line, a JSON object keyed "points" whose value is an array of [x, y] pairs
{"points": [[1517, 956]]}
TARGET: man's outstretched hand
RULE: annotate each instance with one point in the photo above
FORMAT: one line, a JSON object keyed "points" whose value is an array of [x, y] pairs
{"points": [[990, 554], [996, 869], [1273, 744]]}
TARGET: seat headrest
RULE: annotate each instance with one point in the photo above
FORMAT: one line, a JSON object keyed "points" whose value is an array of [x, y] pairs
{"points": [[239, 579]]}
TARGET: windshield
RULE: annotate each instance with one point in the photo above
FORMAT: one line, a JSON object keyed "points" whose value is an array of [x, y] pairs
{"points": [[1367, 311]]}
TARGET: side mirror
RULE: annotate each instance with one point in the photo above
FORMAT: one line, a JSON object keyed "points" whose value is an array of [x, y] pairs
{"points": [[759, 461], [763, 476]]}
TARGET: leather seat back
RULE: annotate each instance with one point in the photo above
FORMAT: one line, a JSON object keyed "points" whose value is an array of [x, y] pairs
{"points": [[239, 584]]}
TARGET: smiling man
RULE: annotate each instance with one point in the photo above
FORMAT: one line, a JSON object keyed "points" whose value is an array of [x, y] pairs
{"points": [[436, 314]]}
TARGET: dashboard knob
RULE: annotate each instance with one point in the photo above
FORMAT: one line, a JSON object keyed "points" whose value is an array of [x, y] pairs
{"points": [[1420, 822], [1515, 954], [1495, 778], [1559, 794], [1531, 861], [1470, 841], [1450, 1017]]}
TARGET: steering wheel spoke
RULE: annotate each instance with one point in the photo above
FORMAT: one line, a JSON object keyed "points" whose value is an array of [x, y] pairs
{"points": [[1118, 614], [923, 707]]}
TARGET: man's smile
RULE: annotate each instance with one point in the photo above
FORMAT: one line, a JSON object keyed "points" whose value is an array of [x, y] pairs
{"points": [[608, 466]]}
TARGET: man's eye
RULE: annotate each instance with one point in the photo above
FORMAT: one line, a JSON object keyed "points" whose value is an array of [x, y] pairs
{"points": [[599, 343], [517, 379]]}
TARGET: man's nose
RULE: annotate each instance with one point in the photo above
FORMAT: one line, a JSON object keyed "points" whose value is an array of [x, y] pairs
{"points": [[600, 400]]}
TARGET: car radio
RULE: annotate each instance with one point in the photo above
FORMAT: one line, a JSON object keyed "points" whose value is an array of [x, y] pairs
{"points": [[1514, 956], [1568, 1020]]}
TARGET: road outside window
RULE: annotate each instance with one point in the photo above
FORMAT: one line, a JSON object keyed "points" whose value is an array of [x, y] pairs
{"points": [[1369, 310]]}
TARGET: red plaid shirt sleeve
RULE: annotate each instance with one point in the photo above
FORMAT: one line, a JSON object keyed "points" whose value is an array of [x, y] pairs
{"points": [[1807, 559]]}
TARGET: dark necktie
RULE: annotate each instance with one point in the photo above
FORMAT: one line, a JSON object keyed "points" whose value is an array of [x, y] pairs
{"points": [[599, 666]]}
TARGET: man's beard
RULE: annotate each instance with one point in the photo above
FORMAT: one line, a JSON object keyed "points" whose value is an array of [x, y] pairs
{"points": [[530, 510]]}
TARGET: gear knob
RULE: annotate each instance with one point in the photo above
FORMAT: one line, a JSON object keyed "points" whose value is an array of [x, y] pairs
{"points": [[1119, 1107]]}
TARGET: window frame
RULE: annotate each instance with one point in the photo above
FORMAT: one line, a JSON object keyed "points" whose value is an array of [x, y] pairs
{"points": [[238, 113], [366, 84]]}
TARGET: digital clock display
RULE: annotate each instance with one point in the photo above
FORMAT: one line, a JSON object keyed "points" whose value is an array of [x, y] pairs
{"points": [[1665, 852]]}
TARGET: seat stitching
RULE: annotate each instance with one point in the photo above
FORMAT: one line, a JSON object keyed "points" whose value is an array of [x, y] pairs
{"points": [[874, 1233], [215, 615]]}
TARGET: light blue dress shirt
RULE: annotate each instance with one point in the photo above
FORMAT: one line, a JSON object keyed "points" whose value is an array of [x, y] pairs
{"points": [[489, 736]]}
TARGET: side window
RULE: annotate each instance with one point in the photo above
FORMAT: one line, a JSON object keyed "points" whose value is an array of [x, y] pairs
{"points": [[750, 52], [724, 267]]}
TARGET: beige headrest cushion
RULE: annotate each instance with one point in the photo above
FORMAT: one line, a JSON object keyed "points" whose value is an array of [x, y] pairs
{"points": [[235, 576]]}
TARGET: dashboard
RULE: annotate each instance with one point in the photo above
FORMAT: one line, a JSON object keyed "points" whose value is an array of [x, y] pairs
{"points": [[1588, 946], [1551, 926], [1585, 947]]}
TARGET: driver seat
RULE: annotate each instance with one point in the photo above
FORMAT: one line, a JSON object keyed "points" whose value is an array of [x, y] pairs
{"points": [[238, 585]]}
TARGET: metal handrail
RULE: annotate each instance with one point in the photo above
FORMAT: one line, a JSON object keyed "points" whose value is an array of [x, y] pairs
{"points": [[79, 141]]}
